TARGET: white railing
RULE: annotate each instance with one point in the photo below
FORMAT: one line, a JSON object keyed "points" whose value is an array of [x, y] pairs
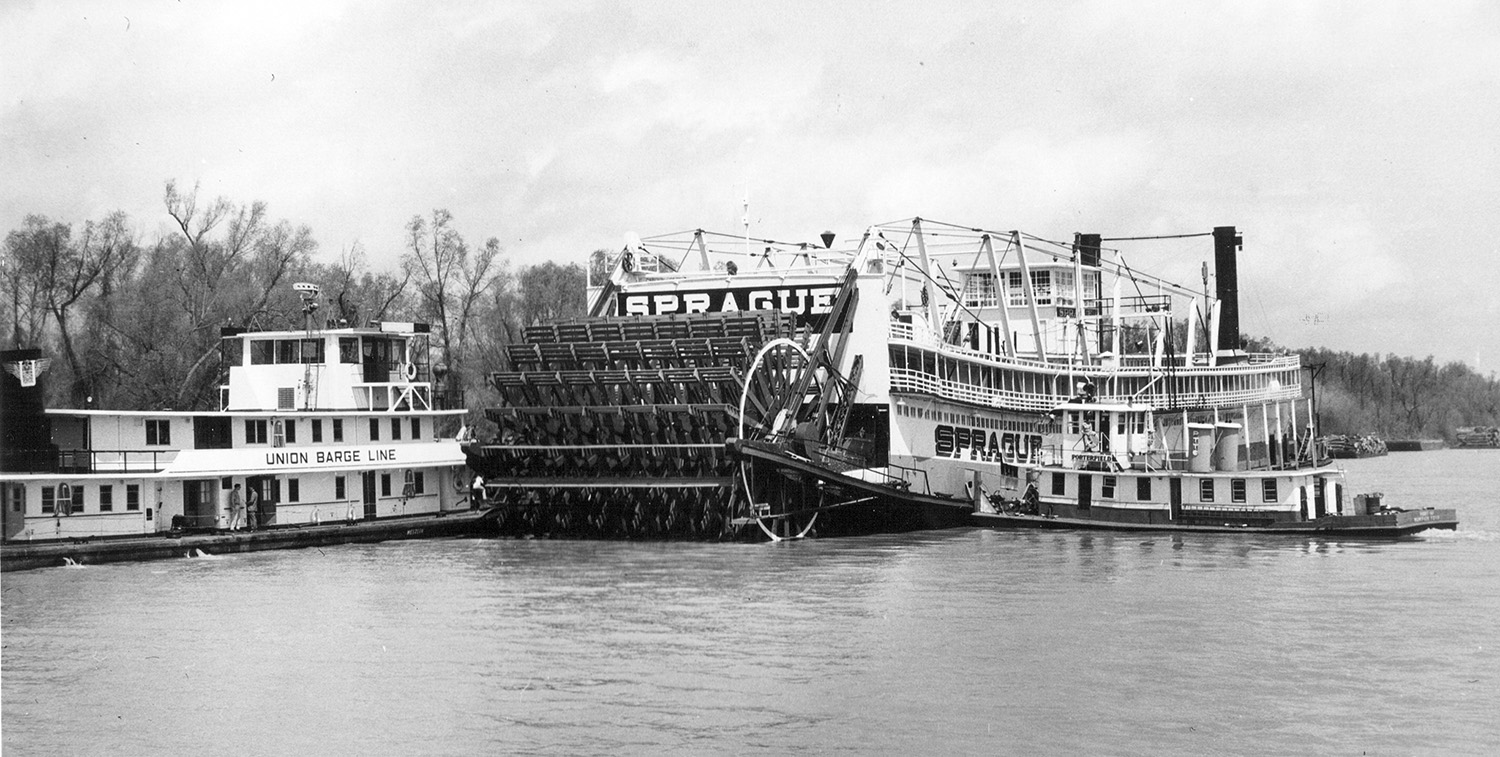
{"points": [[906, 380], [1129, 365]]}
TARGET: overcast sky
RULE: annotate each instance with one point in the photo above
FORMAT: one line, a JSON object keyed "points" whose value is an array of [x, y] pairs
{"points": [[1356, 145]]}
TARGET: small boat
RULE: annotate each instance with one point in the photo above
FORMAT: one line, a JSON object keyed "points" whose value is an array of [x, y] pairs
{"points": [[338, 432]]}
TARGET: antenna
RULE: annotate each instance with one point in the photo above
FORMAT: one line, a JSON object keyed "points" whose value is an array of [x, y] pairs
{"points": [[745, 219], [309, 294]]}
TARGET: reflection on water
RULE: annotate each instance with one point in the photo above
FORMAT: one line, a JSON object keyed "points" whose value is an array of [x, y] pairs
{"points": [[967, 641]]}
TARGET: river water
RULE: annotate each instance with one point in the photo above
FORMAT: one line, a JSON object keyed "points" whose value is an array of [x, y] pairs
{"points": [[954, 642]]}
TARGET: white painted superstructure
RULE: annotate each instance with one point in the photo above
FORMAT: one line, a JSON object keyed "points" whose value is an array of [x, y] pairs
{"points": [[330, 424], [990, 359]]}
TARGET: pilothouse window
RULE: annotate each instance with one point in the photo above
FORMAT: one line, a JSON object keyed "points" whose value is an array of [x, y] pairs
{"points": [[312, 350], [262, 352], [979, 291]]}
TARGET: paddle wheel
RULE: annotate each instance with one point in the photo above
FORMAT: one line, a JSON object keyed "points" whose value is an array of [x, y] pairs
{"points": [[616, 427], [796, 406]]}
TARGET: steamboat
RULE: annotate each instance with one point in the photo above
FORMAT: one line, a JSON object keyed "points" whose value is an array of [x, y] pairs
{"points": [[929, 375], [328, 435]]}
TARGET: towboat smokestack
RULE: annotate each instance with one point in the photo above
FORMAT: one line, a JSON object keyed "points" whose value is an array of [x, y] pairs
{"points": [[1087, 247], [1227, 243]]}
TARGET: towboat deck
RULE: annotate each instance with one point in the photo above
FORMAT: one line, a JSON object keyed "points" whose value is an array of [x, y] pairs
{"points": [[28, 555]]}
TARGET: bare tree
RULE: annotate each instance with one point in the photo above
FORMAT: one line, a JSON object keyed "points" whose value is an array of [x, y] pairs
{"points": [[355, 295], [550, 292], [75, 271], [27, 254], [449, 283], [234, 279]]}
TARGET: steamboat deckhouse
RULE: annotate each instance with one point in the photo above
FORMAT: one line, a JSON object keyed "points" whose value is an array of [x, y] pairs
{"points": [[321, 424], [1060, 369]]}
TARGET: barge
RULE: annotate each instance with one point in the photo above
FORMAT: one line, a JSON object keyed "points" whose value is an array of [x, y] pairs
{"points": [[928, 375], [1477, 437], [325, 435]]}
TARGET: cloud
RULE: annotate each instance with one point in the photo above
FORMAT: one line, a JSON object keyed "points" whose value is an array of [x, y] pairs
{"points": [[1352, 143]]}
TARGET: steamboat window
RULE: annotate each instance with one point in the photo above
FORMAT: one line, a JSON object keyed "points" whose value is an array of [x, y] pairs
{"points": [[77, 504], [1268, 491], [1064, 282], [262, 352], [349, 350], [132, 496], [255, 431], [374, 429], [396, 429], [1059, 483], [317, 430], [49, 499], [1143, 489], [1107, 488], [290, 427], [1041, 287], [293, 490], [979, 291], [338, 429], [416, 428], [417, 483], [288, 351], [385, 484], [338, 487], [106, 498], [158, 432], [1206, 490], [1237, 490]]}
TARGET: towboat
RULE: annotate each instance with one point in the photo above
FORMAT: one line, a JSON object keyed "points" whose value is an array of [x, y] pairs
{"points": [[928, 375], [328, 434]]}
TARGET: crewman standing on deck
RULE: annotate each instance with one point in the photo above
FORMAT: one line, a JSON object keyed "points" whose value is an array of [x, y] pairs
{"points": [[477, 494], [252, 507], [236, 509]]}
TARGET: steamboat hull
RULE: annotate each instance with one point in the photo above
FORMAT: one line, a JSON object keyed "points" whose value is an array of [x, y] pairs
{"points": [[1385, 525], [834, 503]]}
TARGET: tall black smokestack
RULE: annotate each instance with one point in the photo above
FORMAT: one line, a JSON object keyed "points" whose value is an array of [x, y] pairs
{"points": [[1087, 248], [1226, 244]]}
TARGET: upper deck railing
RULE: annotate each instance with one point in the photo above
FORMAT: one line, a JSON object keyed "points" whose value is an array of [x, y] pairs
{"points": [[990, 380], [89, 460], [1254, 362]]}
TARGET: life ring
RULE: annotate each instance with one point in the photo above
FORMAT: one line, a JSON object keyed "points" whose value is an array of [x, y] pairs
{"points": [[409, 371]]}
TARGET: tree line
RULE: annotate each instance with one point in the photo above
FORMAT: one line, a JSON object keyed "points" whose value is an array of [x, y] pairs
{"points": [[1398, 397], [133, 324]]}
